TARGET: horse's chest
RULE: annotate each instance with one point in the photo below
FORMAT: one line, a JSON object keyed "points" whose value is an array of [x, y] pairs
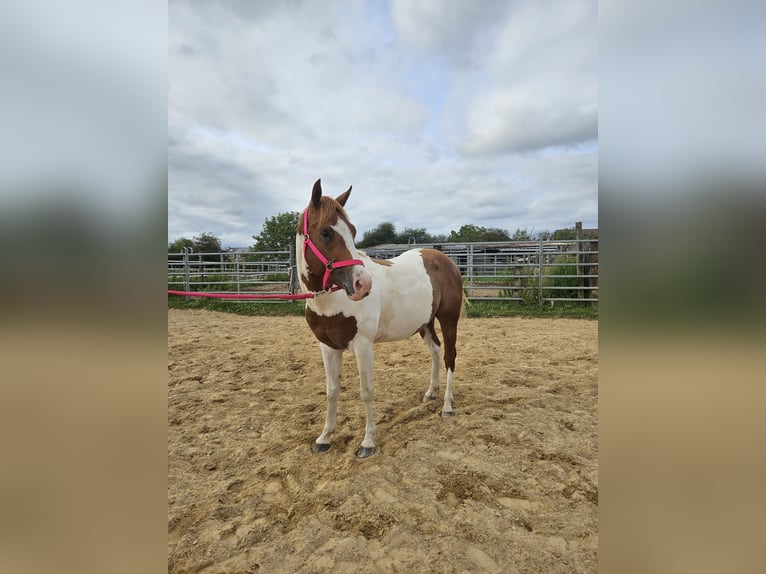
{"points": [[335, 331]]}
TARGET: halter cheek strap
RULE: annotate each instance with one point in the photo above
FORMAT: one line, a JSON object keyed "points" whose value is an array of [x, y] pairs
{"points": [[328, 265]]}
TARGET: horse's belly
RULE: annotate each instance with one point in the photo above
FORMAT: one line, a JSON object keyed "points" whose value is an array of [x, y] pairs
{"points": [[405, 313], [397, 332]]}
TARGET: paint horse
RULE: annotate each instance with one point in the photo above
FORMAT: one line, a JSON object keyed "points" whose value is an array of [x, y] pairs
{"points": [[360, 301]]}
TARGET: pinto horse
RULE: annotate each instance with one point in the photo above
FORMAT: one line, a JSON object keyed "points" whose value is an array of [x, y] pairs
{"points": [[360, 301]]}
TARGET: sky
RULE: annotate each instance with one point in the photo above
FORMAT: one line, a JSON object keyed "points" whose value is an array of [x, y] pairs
{"points": [[439, 114]]}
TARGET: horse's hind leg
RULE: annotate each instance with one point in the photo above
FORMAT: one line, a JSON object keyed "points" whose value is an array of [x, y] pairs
{"points": [[333, 364], [449, 332], [432, 342]]}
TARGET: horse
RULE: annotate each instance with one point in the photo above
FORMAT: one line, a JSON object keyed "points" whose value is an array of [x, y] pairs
{"points": [[359, 301]]}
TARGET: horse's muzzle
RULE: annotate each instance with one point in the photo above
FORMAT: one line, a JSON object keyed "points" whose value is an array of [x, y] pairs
{"points": [[356, 281]]}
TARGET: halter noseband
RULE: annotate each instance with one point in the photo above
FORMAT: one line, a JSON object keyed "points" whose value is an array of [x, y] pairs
{"points": [[328, 265]]}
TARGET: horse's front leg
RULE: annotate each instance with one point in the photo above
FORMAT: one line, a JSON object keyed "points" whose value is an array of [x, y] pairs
{"points": [[364, 361], [333, 363]]}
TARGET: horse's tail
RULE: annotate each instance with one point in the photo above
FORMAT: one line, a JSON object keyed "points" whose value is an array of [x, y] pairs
{"points": [[466, 303]]}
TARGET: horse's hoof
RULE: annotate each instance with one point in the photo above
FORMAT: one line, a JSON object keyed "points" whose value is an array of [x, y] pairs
{"points": [[448, 414], [365, 451], [320, 447]]}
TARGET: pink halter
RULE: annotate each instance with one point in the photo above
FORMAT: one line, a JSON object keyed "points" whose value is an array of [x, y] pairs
{"points": [[328, 265]]}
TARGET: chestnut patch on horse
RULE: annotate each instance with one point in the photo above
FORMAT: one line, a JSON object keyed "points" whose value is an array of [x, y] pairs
{"points": [[443, 273], [383, 262], [335, 331], [447, 302]]}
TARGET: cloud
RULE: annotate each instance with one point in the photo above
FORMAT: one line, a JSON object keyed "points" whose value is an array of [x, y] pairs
{"points": [[515, 119], [543, 87], [437, 116], [456, 30]]}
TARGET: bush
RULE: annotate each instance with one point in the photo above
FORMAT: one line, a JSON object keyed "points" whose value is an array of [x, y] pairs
{"points": [[559, 281], [565, 265]]}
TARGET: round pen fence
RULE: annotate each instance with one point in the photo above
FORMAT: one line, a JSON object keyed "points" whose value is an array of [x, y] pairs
{"points": [[542, 271]]}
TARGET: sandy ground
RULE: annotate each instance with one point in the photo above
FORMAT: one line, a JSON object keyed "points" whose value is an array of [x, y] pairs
{"points": [[509, 484]]}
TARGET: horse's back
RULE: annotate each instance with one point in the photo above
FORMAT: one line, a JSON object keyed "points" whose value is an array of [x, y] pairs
{"points": [[414, 287]]}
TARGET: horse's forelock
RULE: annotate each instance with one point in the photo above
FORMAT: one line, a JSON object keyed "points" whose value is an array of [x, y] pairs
{"points": [[329, 212]]}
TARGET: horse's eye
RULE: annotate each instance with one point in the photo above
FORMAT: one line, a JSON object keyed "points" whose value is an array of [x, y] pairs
{"points": [[325, 233]]}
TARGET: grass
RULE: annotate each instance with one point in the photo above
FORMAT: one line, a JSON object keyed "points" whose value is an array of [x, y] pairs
{"points": [[566, 310], [226, 282], [475, 309]]}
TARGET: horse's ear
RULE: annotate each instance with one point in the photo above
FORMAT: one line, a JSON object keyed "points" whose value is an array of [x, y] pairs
{"points": [[343, 197], [316, 193]]}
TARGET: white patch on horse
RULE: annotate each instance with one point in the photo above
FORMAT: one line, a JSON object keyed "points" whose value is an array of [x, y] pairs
{"points": [[362, 277], [434, 349], [408, 296], [447, 407], [343, 230]]}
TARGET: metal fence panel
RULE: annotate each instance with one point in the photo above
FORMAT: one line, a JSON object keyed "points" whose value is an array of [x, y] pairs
{"points": [[267, 272], [541, 271]]}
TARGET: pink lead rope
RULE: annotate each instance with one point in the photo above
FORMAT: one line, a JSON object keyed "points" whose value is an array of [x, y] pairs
{"points": [[245, 295], [328, 265]]}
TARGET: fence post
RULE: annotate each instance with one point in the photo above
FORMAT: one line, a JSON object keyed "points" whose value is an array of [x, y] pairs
{"points": [[579, 260], [292, 276], [186, 251], [540, 273], [236, 269], [469, 264]]}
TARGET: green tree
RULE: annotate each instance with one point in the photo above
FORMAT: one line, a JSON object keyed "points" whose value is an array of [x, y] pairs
{"points": [[419, 234], [471, 233], [468, 232], [278, 232], [521, 235], [383, 233], [496, 234], [206, 243], [178, 245], [563, 234]]}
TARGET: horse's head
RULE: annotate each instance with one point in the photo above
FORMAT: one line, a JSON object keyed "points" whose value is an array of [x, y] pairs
{"points": [[326, 241]]}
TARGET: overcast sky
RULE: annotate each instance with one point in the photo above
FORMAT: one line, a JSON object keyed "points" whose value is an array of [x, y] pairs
{"points": [[438, 113]]}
